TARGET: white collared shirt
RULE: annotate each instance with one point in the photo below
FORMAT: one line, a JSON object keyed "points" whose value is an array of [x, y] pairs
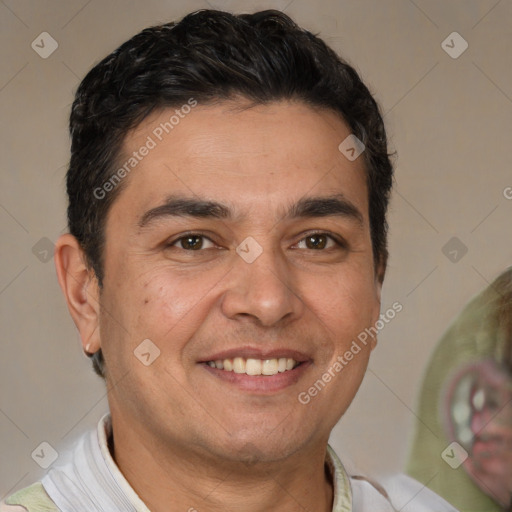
{"points": [[92, 481]]}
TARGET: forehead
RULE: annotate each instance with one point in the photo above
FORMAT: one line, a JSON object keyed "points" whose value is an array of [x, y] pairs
{"points": [[253, 158]]}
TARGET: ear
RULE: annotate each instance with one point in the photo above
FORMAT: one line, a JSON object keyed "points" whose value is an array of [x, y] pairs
{"points": [[81, 290]]}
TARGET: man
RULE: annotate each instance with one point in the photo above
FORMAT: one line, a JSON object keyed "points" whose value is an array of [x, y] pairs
{"points": [[228, 186]]}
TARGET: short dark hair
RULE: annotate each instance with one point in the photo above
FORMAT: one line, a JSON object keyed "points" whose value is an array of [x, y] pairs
{"points": [[212, 56]]}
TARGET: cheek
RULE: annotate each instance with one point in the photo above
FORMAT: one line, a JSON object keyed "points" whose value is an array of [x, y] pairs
{"points": [[170, 306], [348, 302]]}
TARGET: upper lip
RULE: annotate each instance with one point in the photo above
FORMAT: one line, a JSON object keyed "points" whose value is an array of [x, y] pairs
{"points": [[257, 353]]}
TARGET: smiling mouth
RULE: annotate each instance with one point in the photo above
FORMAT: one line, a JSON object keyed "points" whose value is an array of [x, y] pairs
{"points": [[254, 367]]}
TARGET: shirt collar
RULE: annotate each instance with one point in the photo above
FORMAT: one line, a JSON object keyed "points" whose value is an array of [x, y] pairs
{"points": [[93, 479], [342, 500]]}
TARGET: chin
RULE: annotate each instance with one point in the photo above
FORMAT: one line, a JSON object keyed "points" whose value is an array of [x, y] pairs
{"points": [[252, 447], [253, 453]]}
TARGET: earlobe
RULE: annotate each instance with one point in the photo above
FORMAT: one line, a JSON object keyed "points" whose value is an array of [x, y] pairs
{"points": [[80, 288]]}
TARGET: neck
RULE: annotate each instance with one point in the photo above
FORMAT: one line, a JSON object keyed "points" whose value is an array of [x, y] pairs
{"points": [[164, 475]]}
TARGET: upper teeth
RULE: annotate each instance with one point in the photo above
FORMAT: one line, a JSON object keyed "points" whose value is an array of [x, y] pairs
{"points": [[255, 366]]}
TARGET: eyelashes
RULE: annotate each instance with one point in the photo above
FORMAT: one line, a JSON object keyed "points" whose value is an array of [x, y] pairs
{"points": [[316, 246], [319, 241], [191, 242]]}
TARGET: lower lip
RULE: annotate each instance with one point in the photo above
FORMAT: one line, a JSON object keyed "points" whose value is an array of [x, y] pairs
{"points": [[261, 384]]}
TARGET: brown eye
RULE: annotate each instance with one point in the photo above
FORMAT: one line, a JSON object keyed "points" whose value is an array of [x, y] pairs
{"points": [[192, 242], [316, 241]]}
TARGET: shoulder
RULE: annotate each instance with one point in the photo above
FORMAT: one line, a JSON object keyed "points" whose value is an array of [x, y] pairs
{"points": [[394, 493], [409, 495], [30, 499]]}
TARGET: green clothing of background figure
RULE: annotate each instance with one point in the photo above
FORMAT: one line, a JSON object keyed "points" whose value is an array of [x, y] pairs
{"points": [[482, 331]]}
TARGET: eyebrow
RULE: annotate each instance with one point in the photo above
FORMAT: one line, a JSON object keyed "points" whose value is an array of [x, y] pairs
{"points": [[330, 206], [308, 207], [176, 206]]}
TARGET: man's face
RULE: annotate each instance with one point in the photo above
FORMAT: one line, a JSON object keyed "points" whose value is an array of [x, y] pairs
{"points": [[173, 275]]}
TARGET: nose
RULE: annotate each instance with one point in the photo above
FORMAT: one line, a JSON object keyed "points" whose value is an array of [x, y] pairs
{"points": [[265, 290]]}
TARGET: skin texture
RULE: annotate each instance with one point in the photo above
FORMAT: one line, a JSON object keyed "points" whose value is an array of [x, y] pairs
{"points": [[183, 435]]}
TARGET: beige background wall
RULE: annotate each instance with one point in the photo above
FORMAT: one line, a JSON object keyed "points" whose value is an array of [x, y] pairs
{"points": [[450, 121]]}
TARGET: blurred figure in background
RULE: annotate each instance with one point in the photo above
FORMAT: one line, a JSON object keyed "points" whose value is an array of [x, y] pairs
{"points": [[466, 398]]}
